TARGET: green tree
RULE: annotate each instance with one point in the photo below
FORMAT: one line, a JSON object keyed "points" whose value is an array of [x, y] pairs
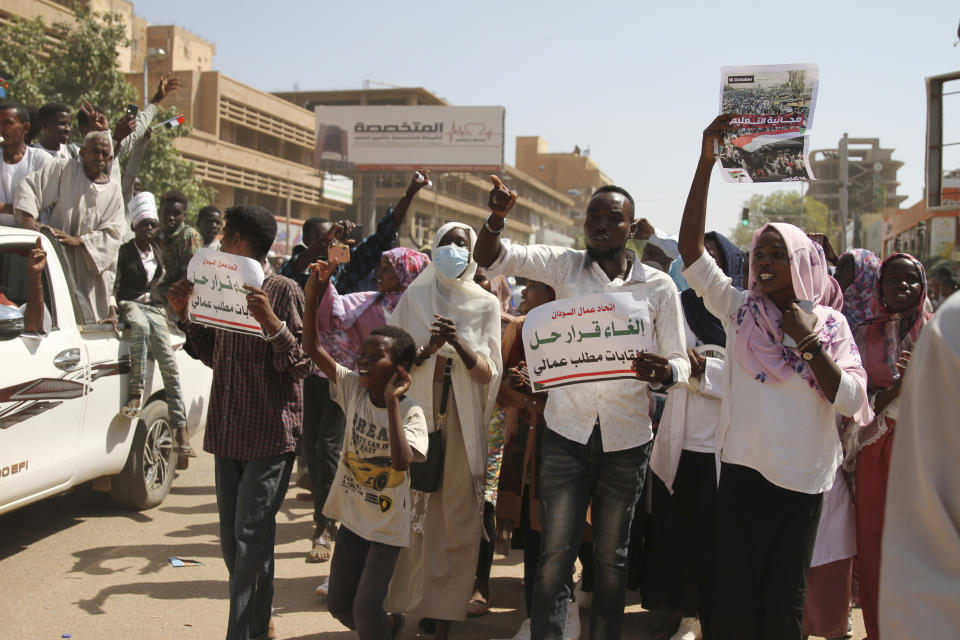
{"points": [[76, 62], [783, 206]]}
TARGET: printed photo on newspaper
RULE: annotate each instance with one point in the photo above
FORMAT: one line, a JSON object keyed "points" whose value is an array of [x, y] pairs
{"points": [[773, 107]]}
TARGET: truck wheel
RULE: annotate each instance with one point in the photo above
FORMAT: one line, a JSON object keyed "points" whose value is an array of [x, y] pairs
{"points": [[148, 474]]}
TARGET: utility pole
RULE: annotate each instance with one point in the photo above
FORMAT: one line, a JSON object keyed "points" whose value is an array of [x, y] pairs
{"points": [[844, 191]]}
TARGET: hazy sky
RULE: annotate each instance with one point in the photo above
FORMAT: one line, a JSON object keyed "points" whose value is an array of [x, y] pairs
{"points": [[636, 82]]}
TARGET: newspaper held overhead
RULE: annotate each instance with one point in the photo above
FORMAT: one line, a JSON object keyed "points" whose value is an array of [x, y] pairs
{"points": [[773, 107]]}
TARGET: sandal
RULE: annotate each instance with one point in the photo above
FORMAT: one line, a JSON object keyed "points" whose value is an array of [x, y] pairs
{"points": [[477, 606], [130, 412], [320, 551], [185, 450]]}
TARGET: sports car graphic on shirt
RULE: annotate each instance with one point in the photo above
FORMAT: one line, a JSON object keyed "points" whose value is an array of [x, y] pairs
{"points": [[376, 473]]}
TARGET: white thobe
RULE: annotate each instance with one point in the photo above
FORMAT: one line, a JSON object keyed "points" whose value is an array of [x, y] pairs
{"points": [[83, 208]]}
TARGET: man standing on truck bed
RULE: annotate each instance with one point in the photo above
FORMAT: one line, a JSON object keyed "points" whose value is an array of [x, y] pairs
{"points": [[256, 406], [87, 217]]}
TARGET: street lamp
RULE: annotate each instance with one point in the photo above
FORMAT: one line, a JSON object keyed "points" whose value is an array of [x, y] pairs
{"points": [[153, 53]]}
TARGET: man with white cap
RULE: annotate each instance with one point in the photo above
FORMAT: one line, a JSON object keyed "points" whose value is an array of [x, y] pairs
{"points": [[139, 270]]}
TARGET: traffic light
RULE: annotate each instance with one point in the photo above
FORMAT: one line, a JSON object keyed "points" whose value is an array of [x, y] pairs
{"points": [[745, 217]]}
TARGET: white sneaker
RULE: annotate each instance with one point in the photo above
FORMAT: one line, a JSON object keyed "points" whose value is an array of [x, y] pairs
{"points": [[583, 598], [323, 588], [689, 630], [571, 630]]}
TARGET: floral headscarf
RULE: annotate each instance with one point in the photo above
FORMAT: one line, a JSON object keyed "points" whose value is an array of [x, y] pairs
{"points": [[759, 348], [407, 264], [858, 296], [879, 336]]}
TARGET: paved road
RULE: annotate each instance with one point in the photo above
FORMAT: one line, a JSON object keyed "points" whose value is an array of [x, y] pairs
{"points": [[76, 564]]}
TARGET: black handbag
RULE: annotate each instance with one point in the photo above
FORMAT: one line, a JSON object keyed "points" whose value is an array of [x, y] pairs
{"points": [[425, 476]]}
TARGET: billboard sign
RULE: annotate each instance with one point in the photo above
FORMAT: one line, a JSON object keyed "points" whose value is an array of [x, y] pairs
{"points": [[391, 138], [337, 188]]}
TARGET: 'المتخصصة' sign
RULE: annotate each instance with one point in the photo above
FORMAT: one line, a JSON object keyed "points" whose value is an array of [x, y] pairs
{"points": [[586, 339], [219, 299]]}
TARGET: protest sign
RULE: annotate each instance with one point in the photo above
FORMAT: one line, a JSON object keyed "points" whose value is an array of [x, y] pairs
{"points": [[773, 110], [219, 299], [586, 339]]}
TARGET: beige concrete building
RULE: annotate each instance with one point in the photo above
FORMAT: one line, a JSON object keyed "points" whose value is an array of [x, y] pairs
{"points": [[543, 212], [575, 173], [255, 147]]}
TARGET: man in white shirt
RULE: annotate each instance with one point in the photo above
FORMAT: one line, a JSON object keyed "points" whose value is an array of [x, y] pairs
{"points": [[598, 436], [55, 131], [19, 160]]}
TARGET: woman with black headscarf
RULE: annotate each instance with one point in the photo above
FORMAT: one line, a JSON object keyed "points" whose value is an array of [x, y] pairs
{"points": [[684, 451]]}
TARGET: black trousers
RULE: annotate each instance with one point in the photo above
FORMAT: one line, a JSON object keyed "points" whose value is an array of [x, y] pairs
{"points": [[360, 574], [485, 556], [323, 428], [693, 536], [765, 538]]}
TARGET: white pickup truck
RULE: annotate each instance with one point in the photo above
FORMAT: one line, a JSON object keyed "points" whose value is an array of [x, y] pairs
{"points": [[61, 393]]}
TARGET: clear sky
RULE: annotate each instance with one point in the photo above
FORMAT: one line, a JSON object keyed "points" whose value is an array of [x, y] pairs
{"points": [[636, 82]]}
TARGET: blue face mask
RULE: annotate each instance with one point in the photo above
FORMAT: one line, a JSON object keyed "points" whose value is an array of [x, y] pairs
{"points": [[451, 260]]}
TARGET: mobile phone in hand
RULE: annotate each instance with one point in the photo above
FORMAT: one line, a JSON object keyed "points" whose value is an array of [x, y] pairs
{"points": [[339, 253], [132, 110]]}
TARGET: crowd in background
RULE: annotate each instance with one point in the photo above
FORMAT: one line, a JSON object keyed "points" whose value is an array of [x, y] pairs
{"points": [[740, 482]]}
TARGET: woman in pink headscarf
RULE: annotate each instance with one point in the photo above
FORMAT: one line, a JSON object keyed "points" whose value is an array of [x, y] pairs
{"points": [[346, 321], [792, 364], [886, 339]]}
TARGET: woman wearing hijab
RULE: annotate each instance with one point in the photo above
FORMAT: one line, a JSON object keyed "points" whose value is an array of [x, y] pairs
{"points": [[791, 364], [857, 275], [346, 321], [886, 340], [457, 325], [684, 451]]}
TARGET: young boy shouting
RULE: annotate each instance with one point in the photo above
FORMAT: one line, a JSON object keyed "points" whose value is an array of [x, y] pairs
{"points": [[370, 496]]}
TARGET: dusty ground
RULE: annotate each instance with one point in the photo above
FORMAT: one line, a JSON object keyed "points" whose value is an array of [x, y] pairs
{"points": [[76, 564]]}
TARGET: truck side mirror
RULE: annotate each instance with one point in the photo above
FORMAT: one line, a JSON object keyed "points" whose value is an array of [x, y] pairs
{"points": [[11, 321]]}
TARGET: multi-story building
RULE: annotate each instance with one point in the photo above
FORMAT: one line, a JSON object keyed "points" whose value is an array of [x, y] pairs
{"points": [[255, 147], [543, 212], [575, 173], [872, 184]]}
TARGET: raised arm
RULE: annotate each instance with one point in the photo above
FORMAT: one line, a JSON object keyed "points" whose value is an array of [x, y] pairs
{"points": [[695, 211], [320, 273], [419, 181], [36, 265], [501, 201]]}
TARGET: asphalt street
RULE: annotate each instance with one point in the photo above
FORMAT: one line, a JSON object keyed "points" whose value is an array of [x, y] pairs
{"points": [[77, 564]]}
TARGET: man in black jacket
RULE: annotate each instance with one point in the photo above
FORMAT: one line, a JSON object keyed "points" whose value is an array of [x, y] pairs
{"points": [[139, 269]]}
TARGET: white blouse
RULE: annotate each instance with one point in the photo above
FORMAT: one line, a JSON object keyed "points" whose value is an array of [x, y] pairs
{"points": [[786, 431]]}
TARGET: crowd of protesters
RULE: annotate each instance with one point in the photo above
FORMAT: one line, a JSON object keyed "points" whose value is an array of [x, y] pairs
{"points": [[740, 479]]}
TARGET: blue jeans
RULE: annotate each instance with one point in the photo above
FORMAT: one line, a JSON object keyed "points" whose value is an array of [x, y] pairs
{"points": [[249, 494], [571, 474], [149, 332]]}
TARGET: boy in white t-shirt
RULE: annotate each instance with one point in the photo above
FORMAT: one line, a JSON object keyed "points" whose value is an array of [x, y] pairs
{"points": [[370, 495]]}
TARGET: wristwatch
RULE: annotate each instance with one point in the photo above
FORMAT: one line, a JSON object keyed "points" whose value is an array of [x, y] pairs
{"points": [[807, 353]]}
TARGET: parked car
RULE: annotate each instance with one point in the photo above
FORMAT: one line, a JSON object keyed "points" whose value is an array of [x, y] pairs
{"points": [[61, 394]]}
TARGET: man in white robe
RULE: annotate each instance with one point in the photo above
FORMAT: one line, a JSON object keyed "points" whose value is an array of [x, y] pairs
{"points": [[920, 570], [87, 218]]}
